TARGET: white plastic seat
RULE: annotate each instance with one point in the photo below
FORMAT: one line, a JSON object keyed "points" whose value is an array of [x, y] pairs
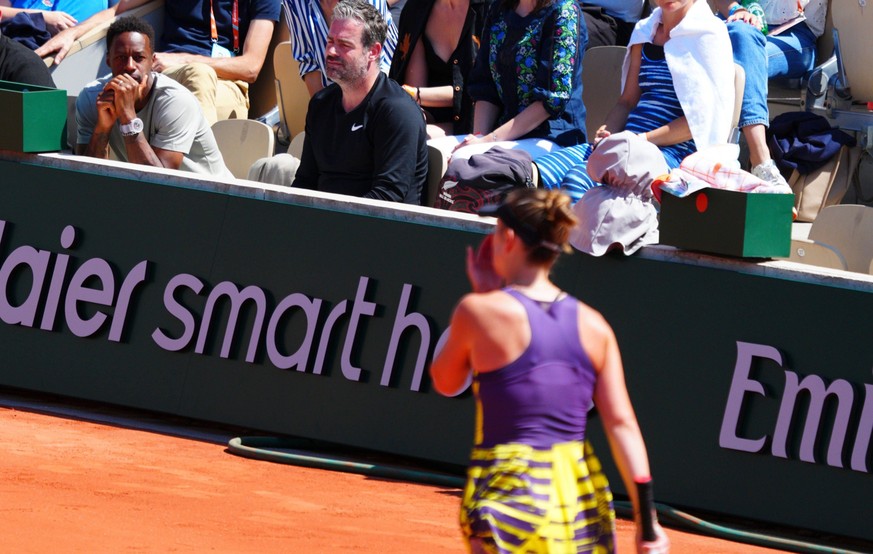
{"points": [[242, 142], [809, 252], [854, 21], [296, 146], [848, 228]]}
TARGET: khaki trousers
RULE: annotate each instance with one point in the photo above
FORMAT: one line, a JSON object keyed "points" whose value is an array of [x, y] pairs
{"points": [[219, 98]]}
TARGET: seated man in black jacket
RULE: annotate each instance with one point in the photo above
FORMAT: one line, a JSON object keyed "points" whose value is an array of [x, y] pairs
{"points": [[364, 135]]}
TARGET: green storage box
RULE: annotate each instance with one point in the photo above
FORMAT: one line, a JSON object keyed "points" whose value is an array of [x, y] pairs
{"points": [[749, 225], [32, 118]]}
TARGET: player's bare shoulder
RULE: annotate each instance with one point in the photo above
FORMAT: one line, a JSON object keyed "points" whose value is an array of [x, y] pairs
{"points": [[595, 333], [593, 321], [487, 308]]}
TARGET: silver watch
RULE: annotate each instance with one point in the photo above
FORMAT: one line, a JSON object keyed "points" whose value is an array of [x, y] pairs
{"points": [[133, 128]]}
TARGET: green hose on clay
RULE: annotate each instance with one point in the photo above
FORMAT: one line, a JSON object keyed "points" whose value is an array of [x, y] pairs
{"points": [[290, 451]]}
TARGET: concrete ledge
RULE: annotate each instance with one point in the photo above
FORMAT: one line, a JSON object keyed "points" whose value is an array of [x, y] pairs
{"points": [[256, 190], [777, 269]]}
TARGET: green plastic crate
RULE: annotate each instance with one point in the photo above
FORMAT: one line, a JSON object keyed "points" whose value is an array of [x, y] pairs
{"points": [[32, 118], [748, 225]]}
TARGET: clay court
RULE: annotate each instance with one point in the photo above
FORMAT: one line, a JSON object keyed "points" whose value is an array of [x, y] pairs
{"points": [[90, 479]]}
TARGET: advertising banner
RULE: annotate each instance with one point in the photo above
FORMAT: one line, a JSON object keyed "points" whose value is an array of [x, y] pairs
{"points": [[303, 317]]}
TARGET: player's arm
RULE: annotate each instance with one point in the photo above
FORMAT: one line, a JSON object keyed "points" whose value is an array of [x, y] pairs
{"points": [[614, 405], [450, 370], [619, 420]]}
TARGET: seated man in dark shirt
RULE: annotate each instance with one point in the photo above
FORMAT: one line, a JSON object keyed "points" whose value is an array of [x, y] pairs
{"points": [[20, 65], [65, 20], [364, 135]]}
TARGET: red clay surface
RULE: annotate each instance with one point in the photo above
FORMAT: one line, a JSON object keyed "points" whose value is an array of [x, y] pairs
{"points": [[73, 486]]}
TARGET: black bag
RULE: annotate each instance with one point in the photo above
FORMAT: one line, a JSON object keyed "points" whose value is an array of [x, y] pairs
{"points": [[486, 178]]}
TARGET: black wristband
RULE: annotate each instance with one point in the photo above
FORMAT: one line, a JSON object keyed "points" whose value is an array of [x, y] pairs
{"points": [[646, 499]]}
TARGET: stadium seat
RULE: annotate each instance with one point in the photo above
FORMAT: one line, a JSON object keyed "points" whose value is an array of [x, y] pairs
{"points": [[848, 229], [601, 83], [788, 95], [242, 142], [86, 59], [809, 252], [739, 85], [296, 146], [854, 22], [436, 168], [291, 92], [262, 93]]}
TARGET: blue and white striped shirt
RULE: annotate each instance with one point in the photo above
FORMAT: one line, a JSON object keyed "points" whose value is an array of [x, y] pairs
{"points": [[309, 35], [658, 104]]}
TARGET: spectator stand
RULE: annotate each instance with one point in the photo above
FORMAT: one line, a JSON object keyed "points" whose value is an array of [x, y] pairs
{"points": [[838, 239], [242, 142], [86, 61], [290, 91], [840, 87]]}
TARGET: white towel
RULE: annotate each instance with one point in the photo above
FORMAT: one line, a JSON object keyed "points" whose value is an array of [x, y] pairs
{"points": [[701, 62]]}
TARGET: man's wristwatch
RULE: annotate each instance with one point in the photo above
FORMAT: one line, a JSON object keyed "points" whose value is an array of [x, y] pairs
{"points": [[133, 128]]}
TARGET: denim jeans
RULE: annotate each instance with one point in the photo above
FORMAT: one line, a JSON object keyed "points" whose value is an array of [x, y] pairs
{"points": [[790, 54]]}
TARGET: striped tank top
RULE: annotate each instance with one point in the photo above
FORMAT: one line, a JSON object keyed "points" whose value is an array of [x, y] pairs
{"points": [[658, 104]]}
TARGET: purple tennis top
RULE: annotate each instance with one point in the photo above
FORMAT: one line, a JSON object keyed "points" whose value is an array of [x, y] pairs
{"points": [[542, 397]]}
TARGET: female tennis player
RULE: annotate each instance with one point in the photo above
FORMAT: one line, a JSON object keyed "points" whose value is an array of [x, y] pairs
{"points": [[538, 358]]}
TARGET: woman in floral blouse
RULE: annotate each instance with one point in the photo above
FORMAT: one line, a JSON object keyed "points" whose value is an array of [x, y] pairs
{"points": [[527, 79]]}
